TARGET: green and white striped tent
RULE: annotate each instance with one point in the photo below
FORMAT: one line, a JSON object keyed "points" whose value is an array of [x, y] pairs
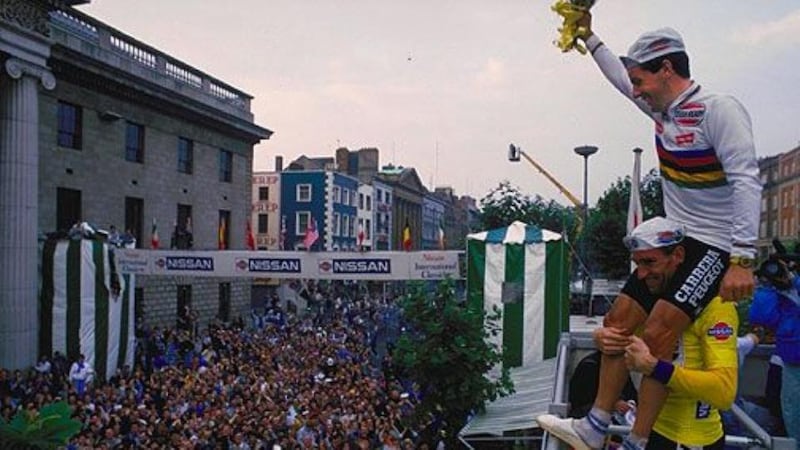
{"points": [[522, 269], [78, 311]]}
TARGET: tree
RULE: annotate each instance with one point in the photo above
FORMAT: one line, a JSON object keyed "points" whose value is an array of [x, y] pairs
{"points": [[608, 220], [505, 204], [446, 352]]}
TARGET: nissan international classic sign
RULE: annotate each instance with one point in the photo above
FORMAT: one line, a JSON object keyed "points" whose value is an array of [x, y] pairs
{"points": [[374, 265]]}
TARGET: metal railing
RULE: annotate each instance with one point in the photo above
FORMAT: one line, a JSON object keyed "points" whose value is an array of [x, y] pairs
{"points": [[89, 36]]}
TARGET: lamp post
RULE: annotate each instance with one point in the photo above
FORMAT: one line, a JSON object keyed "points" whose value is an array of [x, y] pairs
{"points": [[586, 151]]}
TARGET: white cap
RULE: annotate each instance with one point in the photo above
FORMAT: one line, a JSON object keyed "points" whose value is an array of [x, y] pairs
{"points": [[653, 44], [655, 233]]}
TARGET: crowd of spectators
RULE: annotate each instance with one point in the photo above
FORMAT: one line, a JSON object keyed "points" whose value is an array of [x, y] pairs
{"points": [[279, 380]]}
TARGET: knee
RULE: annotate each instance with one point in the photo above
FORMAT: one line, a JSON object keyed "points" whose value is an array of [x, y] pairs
{"points": [[618, 321], [661, 339]]}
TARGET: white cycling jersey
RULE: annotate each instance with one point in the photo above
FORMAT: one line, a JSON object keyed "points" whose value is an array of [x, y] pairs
{"points": [[707, 160]]}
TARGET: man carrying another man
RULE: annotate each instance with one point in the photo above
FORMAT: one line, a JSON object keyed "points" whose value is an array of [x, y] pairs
{"points": [[711, 186], [703, 376]]}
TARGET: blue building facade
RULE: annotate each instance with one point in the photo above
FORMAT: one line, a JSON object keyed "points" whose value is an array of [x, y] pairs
{"points": [[341, 213], [303, 196]]}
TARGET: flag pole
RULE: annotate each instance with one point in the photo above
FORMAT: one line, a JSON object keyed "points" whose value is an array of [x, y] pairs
{"points": [[635, 215]]}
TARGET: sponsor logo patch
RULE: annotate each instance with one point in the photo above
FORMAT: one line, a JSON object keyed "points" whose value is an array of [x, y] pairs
{"points": [[721, 331], [690, 114], [684, 139]]}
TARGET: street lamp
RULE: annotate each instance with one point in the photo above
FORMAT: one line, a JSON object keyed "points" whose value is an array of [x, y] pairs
{"points": [[586, 151]]}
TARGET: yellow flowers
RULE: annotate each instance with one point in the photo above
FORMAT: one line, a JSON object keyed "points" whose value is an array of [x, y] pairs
{"points": [[570, 31]]}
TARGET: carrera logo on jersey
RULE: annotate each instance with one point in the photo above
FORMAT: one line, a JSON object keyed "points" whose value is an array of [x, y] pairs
{"points": [[684, 139], [690, 114], [721, 331]]}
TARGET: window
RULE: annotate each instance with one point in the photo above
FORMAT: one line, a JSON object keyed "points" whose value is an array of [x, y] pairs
{"points": [[301, 224], [184, 305], [225, 166], [303, 193], [388, 198], [181, 237], [336, 194], [185, 155], [335, 231], [369, 203], [345, 225], [134, 218], [367, 228], [68, 208], [69, 125], [184, 215], [360, 200], [134, 142], [224, 230], [263, 193], [378, 195], [263, 224], [224, 311], [350, 231], [345, 197]]}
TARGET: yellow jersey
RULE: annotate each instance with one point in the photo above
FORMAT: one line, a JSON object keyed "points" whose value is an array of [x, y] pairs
{"points": [[704, 379]]}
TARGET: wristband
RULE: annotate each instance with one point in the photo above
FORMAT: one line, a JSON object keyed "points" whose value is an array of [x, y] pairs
{"points": [[662, 372]]}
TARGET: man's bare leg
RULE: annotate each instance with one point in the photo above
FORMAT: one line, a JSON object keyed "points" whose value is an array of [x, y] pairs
{"points": [[625, 315], [662, 329]]}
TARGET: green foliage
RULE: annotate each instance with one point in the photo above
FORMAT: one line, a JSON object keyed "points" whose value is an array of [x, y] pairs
{"points": [[447, 354], [49, 428], [608, 221]]}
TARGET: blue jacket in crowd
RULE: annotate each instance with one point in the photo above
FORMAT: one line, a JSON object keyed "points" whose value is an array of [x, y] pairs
{"points": [[779, 311]]}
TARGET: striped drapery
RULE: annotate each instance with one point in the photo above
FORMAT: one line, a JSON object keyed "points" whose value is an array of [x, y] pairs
{"points": [[522, 270], [79, 310]]}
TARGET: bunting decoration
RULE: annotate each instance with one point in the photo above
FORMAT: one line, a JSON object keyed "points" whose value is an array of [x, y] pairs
{"points": [[154, 241], [311, 234], [407, 237]]}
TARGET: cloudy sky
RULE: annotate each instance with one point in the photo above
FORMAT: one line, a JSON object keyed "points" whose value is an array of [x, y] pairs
{"points": [[446, 85]]}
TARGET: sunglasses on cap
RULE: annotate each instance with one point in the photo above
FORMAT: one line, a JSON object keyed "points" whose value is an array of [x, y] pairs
{"points": [[653, 240]]}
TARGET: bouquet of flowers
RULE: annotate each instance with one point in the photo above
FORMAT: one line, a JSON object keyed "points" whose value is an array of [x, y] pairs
{"points": [[571, 11]]}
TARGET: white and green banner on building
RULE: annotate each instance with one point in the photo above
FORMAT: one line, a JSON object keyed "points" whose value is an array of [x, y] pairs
{"points": [[85, 306], [522, 270]]}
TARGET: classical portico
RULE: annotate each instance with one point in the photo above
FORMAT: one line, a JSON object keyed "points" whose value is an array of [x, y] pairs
{"points": [[24, 49]]}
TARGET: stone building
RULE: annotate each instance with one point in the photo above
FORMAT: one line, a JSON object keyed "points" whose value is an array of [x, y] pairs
{"points": [[100, 127]]}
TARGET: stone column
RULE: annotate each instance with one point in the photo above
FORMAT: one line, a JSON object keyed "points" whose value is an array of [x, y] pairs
{"points": [[19, 185]]}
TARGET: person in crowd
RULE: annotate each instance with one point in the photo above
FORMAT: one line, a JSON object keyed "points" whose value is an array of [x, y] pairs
{"points": [[80, 374], [707, 160], [776, 305]]}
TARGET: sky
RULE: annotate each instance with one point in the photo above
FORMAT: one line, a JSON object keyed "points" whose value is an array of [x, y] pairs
{"points": [[445, 86]]}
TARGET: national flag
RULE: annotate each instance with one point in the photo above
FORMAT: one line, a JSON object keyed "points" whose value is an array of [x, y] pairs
{"points": [[522, 270], [282, 237], [361, 236], [635, 200], [441, 236], [251, 240], [154, 241], [221, 232], [407, 237], [311, 234]]}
